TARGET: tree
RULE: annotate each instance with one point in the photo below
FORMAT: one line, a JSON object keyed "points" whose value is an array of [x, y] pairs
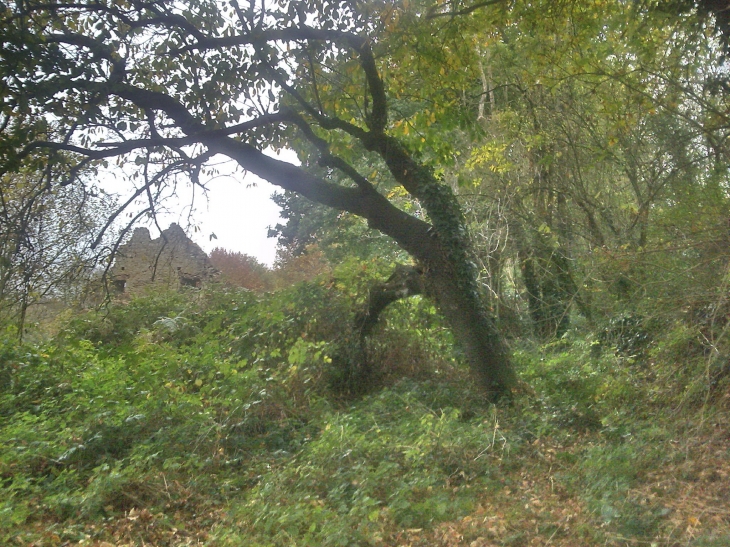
{"points": [[168, 86], [240, 269], [600, 121], [45, 242]]}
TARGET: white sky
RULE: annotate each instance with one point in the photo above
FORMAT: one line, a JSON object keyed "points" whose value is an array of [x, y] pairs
{"points": [[239, 212]]}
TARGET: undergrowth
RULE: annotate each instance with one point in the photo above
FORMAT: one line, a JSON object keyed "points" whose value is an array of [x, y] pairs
{"points": [[221, 418]]}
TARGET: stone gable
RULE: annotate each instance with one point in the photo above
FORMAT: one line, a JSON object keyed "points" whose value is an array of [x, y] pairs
{"points": [[171, 261]]}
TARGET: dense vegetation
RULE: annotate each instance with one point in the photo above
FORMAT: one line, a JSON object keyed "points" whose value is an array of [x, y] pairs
{"points": [[549, 179], [225, 418]]}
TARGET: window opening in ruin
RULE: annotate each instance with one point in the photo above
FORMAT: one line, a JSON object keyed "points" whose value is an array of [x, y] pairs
{"points": [[190, 281], [119, 285]]}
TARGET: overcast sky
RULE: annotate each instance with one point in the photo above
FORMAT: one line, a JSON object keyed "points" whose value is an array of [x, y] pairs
{"points": [[239, 212]]}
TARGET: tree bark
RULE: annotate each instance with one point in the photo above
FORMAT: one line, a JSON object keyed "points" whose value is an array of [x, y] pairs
{"points": [[440, 248], [406, 281], [473, 328]]}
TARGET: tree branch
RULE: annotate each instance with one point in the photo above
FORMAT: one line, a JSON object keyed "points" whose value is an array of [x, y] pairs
{"points": [[378, 118], [410, 232], [98, 48], [433, 14], [288, 34]]}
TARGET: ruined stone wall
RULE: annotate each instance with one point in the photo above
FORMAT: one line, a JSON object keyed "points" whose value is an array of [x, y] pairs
{"points": [[171, 261]]}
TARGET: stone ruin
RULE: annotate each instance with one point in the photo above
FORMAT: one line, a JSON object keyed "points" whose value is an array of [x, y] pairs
{"points": [[172, 261]]}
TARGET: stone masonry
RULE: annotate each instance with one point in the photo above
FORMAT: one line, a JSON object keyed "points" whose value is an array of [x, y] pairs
{"points": [[171, 261]]}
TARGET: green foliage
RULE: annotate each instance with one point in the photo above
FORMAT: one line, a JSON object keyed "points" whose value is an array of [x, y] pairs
{"points": [[216, 411], [119, 324], [585, 142], [170, 385], [393, 459]]}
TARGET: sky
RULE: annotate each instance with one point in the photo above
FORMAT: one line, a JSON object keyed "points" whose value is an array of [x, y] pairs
{"points": [[239, 212]]}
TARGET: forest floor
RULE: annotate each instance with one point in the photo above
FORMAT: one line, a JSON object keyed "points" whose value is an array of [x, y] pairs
{"points": [[686, 503], [679, 504], [126, 432], [683, 503]]}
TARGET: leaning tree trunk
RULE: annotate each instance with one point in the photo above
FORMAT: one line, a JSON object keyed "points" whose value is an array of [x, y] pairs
{"points": [[440, 247], [456, 295], [451, 277], [471, 324]]}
